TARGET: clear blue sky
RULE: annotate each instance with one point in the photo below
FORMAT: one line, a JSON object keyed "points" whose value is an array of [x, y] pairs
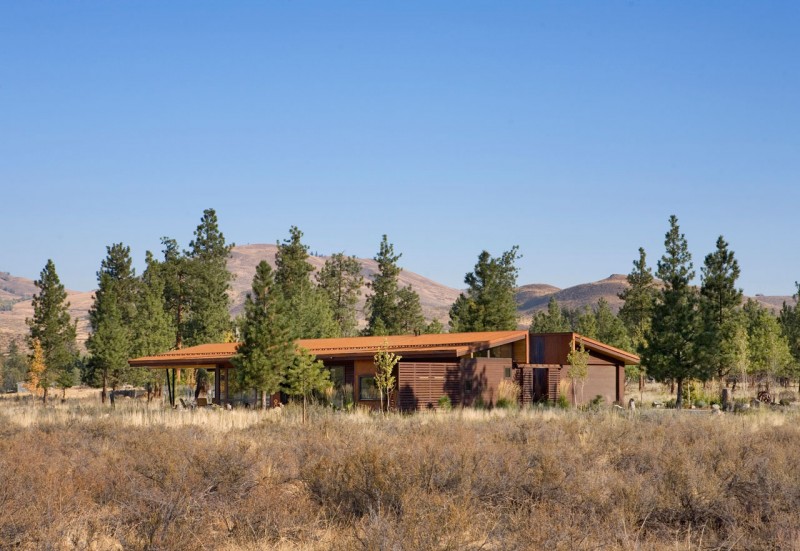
{"points": [[573, 129]]}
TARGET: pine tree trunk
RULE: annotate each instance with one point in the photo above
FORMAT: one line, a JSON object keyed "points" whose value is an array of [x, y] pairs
{"points": [[44, 397], [264, 400], [672, 386], [105, 382], [679, 398], [641, 382]]}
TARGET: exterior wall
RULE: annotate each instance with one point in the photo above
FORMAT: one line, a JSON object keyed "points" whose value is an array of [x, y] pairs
{"points": [[521, 351], [483, 375], [467, 383], [550, 348], [421, 384]]}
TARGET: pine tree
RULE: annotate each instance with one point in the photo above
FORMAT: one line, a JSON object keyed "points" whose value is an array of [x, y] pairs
{"points": [[610, 328], [637, 310], [550, 321], [266, 349], [111, 317], [382, 303], [719, 307], [209, 282], [52, 326], [174, 272], [409, 320], [305, 375], [310, 316], [340, 280], [587, 323], [152, 330], [489, 303], [391, 310], [671, 351]]}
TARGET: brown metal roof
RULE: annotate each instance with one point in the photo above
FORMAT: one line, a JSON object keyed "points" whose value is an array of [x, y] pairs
{"points": [[444, 344]]}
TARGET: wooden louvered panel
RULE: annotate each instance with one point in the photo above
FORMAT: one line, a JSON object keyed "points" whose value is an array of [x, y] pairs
{"points": [[422, 384], [527, 385], [553, 380]]}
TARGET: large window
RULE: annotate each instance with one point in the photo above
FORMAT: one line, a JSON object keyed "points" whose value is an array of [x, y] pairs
{"points": [[367, 389], [342, 392]]}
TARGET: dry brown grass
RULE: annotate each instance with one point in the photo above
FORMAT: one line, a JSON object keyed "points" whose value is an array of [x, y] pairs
{"points": [[80, 476]]}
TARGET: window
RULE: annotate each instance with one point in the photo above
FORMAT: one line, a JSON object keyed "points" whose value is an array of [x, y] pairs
{"points": [[366, 388], [342, 393], [507, 372]]}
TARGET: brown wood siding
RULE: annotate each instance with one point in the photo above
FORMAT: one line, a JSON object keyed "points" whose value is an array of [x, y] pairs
{"points": [[553, 382], [602, 381], [621, 384], [550, 348], [521, 351], [421, 384], [534, 382], [485, 374]]}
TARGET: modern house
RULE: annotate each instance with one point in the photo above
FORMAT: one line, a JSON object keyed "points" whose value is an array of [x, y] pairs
{"points": [[466, 367]]}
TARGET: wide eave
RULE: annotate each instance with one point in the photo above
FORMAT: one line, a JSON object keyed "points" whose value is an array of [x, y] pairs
{"points": [[445, 345]]}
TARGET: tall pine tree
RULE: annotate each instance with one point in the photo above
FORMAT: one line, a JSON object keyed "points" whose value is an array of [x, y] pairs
{"points": [[719, 307], [671, 351], [55, 331], [309, 312], [111, 317], [340, 280], [390, 311], [209, 283], [637, 311], [488, 303], [266, 349]]}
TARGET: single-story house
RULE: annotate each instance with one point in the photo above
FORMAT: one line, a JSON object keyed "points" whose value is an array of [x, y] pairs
{"points": [[466, 367]]}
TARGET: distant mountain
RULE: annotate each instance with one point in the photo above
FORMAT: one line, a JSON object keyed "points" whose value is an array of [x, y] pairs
{"points": [[15, 307], [435, 298], [535, 297]]}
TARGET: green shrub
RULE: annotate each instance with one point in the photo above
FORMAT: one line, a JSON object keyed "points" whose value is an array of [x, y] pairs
{"points": [[562, 402], [444, 403], [700, 404]]}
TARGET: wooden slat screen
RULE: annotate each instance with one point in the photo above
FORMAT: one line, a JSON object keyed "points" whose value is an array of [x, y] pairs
{"points": [[421, 384]]}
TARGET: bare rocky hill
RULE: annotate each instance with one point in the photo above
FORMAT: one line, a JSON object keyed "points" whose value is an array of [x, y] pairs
{"points": [[16, 293]]}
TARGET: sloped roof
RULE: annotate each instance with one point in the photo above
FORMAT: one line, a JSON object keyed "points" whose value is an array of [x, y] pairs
{"points": [[444, 344], [592, 344]]}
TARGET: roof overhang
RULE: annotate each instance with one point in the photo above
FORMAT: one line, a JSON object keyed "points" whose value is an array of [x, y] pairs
{"points": [[602, 348], [446, 345]]}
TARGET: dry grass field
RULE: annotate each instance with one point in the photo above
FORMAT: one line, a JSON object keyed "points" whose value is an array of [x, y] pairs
{"points": [[80, 476]]}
